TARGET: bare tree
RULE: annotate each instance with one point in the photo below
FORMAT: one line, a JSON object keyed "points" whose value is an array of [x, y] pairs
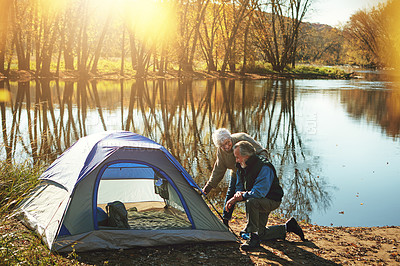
{"points": [[68, 33], [208, 35], [82, 40], [190, 19], [99, 46], [141, 52], [4, 13], [364, 30], [277, 25], [21, 20], [234, 14]]}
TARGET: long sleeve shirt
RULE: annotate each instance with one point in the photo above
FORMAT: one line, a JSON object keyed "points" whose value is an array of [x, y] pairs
{"points": [[261, 185], [226, 160]]}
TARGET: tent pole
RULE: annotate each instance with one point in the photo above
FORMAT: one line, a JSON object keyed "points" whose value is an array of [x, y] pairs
{"points": [[220, 216]]}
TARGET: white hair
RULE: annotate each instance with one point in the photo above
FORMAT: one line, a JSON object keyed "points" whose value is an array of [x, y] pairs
{"points": [[245, 148], [220, 135]]}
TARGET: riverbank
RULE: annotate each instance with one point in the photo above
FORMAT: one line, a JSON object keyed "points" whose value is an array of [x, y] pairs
{"points": [[301, 72], [325, 246]]}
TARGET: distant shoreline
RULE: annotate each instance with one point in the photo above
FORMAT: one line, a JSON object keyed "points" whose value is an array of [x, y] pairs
{"points": [[22, 75]]}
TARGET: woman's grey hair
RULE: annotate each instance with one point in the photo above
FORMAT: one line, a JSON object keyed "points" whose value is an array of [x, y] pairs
{"points": [[245, 148], [220, 135]]}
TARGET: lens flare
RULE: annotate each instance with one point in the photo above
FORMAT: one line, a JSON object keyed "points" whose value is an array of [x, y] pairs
{"points": [[151, 20], [393, 14], [4, 96], [393, 102]]}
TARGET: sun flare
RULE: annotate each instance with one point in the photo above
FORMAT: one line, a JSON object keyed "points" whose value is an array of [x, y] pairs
{"points": [[394, 31], [151, 19], [4, 95]]}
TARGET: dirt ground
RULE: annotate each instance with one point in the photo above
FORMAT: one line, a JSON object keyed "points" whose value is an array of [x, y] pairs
{"points": [[325, 246]]}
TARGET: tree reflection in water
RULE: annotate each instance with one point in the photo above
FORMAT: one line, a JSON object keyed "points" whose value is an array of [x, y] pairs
{"points": [[45, 118]]}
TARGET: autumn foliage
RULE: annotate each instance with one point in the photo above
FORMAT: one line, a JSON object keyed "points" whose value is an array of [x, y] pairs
{"points": [[375, 34]]}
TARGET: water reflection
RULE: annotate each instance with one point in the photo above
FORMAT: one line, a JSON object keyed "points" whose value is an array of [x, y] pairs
{"points": [[380, 107], [46, 117]]}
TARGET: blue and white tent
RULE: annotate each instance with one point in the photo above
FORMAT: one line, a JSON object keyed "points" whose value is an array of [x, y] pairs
{"points": [[68, 208]]}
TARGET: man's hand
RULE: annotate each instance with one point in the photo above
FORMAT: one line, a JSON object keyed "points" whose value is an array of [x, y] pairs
{"points": [[230, 203], [237, 197]]}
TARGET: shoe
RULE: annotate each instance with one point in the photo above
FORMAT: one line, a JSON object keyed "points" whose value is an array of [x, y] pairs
{"points": [[226, 222], [294, 227], [244, 235], [252, 243]]}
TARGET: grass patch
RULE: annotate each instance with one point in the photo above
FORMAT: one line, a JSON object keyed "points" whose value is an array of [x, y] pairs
{"points": [[18, 244], [331, 72], [109, 68], [260, 68], [16, 183]]}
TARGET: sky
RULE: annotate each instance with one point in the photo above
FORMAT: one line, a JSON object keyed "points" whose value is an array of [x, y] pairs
{"points": [[337, 12]]}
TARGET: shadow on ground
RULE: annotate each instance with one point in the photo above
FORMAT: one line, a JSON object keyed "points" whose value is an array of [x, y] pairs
{"points": [[271, 252]]}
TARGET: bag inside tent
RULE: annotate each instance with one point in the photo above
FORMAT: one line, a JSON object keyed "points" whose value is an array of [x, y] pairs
{"points": [[149, 199]]}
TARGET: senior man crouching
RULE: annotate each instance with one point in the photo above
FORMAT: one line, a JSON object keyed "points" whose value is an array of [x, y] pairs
{"points": [[258, 185]]}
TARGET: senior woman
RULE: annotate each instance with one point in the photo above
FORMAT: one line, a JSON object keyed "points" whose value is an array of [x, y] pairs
{"points": [[225, 160]]}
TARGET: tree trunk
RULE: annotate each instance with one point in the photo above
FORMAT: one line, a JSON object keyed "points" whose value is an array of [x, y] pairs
{"points": [[122, 51], [47, 50], [70, 32], [132, 40], [132, 44], [239, 16], [207, 40], [232, 58], [161, 69], [37, 27], [246, 35], [4, 12], [140, 55], [18, 39], [83, 49], [100, 43], [201, 11]]}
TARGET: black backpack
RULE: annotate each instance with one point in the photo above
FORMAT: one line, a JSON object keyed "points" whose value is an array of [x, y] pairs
{"points": [[117, 215]]}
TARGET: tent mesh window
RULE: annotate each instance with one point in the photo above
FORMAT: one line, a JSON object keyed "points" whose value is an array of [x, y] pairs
{"points": [[150, 201]]}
